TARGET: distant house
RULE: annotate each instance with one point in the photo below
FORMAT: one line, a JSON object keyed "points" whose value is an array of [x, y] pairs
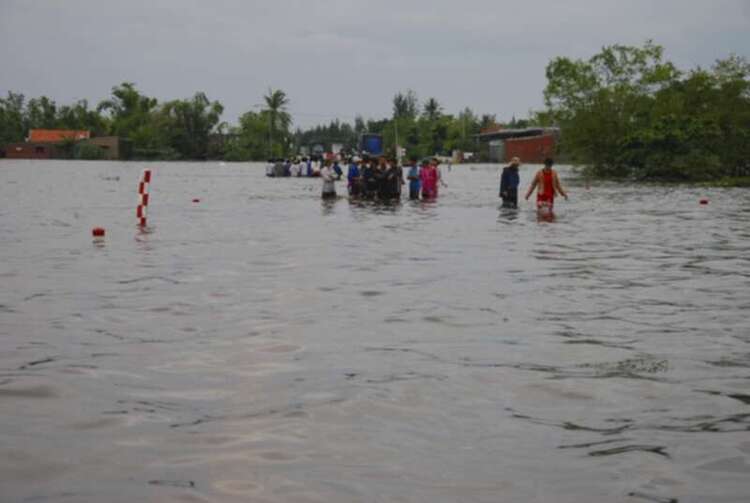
{"points": [[31, 151], [45, 144], [532, 149], [56, 135], [531, 145], [69, 144]]}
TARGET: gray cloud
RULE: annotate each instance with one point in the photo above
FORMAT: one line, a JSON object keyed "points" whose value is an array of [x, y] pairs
{"points": [[339, 58]]}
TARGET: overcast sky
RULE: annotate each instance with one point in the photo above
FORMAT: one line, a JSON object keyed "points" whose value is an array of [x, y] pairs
{"points": [[338, 58]]}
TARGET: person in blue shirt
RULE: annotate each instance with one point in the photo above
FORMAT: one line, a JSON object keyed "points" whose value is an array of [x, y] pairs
{"points": [[509, 182], [413, 176], [337, 169], [353, 177]]}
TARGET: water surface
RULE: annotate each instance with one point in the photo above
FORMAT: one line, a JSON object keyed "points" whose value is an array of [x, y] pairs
{"points": [[261, 345]]}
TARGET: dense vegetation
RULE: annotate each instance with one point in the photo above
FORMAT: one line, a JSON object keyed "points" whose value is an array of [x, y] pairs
{"points": [[170, 130], [192, 128], [628, 112]]}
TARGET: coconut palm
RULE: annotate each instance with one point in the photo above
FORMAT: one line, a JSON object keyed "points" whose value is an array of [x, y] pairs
{"points": [[279, 119]]}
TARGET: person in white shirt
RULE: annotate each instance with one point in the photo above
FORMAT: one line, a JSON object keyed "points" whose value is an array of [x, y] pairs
{"points": [[295, 169], [316, 165], [329, 178]]}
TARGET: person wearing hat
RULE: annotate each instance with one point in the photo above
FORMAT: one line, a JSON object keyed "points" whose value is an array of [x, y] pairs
{"points": [[509, 182]]}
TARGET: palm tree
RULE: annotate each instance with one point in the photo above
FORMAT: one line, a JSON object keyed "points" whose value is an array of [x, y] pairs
{"points": [[278, 117]]}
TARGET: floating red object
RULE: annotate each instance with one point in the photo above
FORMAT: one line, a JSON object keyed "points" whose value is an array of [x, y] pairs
{"points": [[704, 201], [98, 232]]}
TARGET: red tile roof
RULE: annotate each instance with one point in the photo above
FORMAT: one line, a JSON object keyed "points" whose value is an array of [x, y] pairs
{"points": [[56, 135]]}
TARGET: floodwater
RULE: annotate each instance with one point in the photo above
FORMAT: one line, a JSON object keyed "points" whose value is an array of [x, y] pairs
{"points": [[261, 345]]}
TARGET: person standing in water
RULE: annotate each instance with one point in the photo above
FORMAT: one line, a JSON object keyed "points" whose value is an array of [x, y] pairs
{"points": [[354, 178], [547, 184], [369, 179], [328, 176], [381, 174], [394, 176], [509, 182], [428, 176], [413, 176], [337, 169]]}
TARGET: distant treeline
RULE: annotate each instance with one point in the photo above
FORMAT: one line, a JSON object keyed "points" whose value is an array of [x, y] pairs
{"points": [[626, 112], [423, 129], [177, 129], [192, 128]]}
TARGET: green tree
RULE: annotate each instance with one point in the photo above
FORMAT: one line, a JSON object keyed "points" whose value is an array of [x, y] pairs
{"points": [[487, 121], [604, 103], [128, 109], [190, 124], [405, 105], [249, 140], [279, 121], [137, 117], [80, 116], [432, 110], [42, 113], [13, 122]]}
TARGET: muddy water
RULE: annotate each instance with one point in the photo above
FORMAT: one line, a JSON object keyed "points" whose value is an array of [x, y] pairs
{"points": [[263, 346]]}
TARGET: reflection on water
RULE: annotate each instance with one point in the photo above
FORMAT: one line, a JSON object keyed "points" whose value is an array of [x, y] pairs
{"points": [[269, 346]]}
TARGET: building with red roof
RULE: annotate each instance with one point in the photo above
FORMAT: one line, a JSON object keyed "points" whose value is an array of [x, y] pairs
{"points": [[57, 135]]}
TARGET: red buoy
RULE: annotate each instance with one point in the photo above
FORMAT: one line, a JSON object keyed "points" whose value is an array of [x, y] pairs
{"points": [[704, 201], [98, 232]]}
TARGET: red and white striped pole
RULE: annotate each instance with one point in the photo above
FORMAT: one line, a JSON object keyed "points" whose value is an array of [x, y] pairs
{"points": [[140, 212]]}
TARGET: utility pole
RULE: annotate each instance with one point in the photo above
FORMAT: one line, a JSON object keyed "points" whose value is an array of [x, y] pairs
{"points": [[398, 149], [463, 132], [270, 135]]}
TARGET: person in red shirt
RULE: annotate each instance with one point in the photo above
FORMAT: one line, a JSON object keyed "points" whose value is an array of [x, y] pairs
{"points": [[547, 184]]}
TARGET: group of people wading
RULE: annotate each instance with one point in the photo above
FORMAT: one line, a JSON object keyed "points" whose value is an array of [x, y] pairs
{"points": [[383, 179]]}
